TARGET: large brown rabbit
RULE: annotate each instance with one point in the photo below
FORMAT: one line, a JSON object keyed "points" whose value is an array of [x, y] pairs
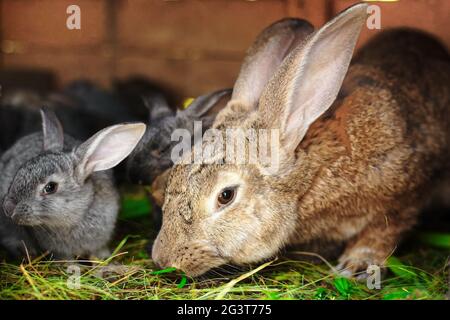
{"points": [[359, 157]]}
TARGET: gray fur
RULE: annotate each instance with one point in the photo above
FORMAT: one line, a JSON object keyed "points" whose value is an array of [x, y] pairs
{"points": [[153, 154], [77, 220]]}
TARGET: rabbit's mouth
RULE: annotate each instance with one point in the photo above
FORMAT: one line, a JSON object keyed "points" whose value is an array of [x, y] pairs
{"points": [[19, 213], [198, 267], [23, 215], [25, 219], [193, 259]]}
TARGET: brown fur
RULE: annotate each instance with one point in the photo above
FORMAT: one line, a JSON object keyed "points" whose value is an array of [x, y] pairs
{"points": [[360, 175]]}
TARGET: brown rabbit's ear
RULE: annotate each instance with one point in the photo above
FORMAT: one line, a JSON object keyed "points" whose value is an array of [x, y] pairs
{"points": [[52, 131], [309, 79], [264, 57], [208, 104]]}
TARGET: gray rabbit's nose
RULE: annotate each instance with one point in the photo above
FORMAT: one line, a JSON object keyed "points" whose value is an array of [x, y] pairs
{"points": [[9, 206]]}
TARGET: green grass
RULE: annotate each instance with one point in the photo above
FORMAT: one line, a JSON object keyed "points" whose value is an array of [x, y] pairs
{"points": [[419, 271]]}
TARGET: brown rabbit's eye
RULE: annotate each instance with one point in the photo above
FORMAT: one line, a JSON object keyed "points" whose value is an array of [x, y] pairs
{"points": [[226, 196], [50, 188]]}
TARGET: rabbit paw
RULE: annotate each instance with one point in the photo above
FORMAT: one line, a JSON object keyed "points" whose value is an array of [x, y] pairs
{"points": [[356, 262]]}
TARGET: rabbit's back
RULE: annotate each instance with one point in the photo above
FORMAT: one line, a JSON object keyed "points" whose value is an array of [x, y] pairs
{"points": [[396, 93], [415, 65], [410, 71], [385, 137]]}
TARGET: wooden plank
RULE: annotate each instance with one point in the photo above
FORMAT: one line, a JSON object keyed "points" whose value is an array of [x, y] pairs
{"points": [[429, 15], [43, 23], [316, 12], [67, 67], [213, 25]]}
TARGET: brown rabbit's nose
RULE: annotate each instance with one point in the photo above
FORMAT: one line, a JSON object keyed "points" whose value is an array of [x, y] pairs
{"points": [[9, 206], [160, 264]]}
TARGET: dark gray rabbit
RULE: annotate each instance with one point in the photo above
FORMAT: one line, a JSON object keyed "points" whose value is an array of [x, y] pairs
{"points": [[19, 114], [82, 107], [152, 156], [57, 196]]}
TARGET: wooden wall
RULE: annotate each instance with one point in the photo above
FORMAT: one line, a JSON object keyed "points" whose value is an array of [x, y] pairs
{"points": [[192, 46]]}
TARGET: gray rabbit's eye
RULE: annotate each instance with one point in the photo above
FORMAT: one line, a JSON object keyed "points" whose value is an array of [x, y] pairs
{"points": [[50, 188], [226, 196]]}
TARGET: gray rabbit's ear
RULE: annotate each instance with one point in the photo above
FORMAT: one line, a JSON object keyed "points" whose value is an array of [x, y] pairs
{"points": [[310, 78], [208, 104], [107, 148], [265, 56], [157, 106], [52, 131]]}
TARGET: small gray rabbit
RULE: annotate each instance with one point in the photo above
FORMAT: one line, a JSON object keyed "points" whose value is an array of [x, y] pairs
{"points": [[57, 196], [152, 156]]}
